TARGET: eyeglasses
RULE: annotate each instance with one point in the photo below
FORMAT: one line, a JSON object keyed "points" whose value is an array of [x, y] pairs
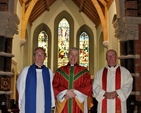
{"points": [[40, 54]]}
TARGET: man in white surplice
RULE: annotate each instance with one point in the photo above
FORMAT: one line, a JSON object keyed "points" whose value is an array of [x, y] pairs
{"points": [[34, 86], [112, 85]]}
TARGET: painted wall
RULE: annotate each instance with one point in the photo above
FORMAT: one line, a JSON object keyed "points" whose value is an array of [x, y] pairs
{"points": [[100, 50], [113, 42], [16, 49]]}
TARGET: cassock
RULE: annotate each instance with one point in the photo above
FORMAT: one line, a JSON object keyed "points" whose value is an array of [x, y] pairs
{"points": [[72, 77], [111, 79], [40, 97]]}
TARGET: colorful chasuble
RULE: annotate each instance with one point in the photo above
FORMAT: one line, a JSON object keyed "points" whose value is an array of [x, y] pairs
{"points": [[71, 78], [117, 86], [30, 90]]}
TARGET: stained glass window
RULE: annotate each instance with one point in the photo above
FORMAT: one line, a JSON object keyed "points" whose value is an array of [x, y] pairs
{"points": [[63, 42], [43, 42], [84, 49]]}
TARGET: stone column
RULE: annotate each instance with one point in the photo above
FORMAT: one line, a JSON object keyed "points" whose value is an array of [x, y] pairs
{"points": [[8, 27], [126, 30]]}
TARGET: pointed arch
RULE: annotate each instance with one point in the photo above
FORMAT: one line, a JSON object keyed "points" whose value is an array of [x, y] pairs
{"points": [[59, 17], [88, 30], [63, 42], [84, 49], [38, 29]]}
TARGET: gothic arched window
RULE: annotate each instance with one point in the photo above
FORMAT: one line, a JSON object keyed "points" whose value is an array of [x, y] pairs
{"points": [[63, 42], [43, 42], [84, 49]]}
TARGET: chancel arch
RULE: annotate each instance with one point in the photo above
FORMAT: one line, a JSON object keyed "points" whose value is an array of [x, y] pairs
{"points": [[126, 28]]}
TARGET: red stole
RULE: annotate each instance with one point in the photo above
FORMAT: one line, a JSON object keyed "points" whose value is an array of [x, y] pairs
{"points": [[117, 86]]}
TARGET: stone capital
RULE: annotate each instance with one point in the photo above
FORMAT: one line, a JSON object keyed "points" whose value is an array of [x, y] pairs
{"points": [[8, 24], [127, 28]]}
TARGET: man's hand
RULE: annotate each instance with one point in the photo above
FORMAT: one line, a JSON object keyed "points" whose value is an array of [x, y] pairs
{"points": [[111, 95], [70, 94]]}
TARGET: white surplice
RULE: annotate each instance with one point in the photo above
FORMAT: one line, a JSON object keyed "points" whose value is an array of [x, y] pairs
{"points": [[123, 92], [39, 92]]}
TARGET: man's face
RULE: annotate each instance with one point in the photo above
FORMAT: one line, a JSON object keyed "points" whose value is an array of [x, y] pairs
{"points": [[111, 58], [73, 56], [39, 57]]}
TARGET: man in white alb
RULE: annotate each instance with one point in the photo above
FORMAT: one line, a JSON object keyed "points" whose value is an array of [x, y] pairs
{"points": [[34, 86], [112, 85]]}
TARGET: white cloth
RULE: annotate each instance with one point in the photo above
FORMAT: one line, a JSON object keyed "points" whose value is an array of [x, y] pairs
{"points": [[123, 93], [60, 96], [80, 96], [39, 93]]}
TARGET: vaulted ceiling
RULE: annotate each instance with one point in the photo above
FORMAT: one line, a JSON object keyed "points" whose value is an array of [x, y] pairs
{"points": [[95, 10], [85, 6]]}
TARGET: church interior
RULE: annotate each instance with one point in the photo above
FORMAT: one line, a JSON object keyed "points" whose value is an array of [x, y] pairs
{"points": [[93, 26]]}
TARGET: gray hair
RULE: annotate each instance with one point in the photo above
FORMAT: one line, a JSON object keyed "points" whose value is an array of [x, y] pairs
{"points": [[74, 48], [34, 52]]}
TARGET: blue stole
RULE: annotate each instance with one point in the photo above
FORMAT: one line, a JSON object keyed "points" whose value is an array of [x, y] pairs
{"points": [[30, 90]]}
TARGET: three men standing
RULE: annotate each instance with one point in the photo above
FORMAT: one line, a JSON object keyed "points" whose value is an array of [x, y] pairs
{"points": [[72, 87]]}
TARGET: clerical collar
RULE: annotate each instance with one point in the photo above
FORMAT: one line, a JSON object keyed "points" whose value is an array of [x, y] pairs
{"points": [[38, 67], [72, 64], [111, 66]]}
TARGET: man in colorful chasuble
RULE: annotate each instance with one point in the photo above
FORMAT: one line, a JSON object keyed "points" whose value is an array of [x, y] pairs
{"points": [[112, 85], [34, 86], [72, 86]]}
